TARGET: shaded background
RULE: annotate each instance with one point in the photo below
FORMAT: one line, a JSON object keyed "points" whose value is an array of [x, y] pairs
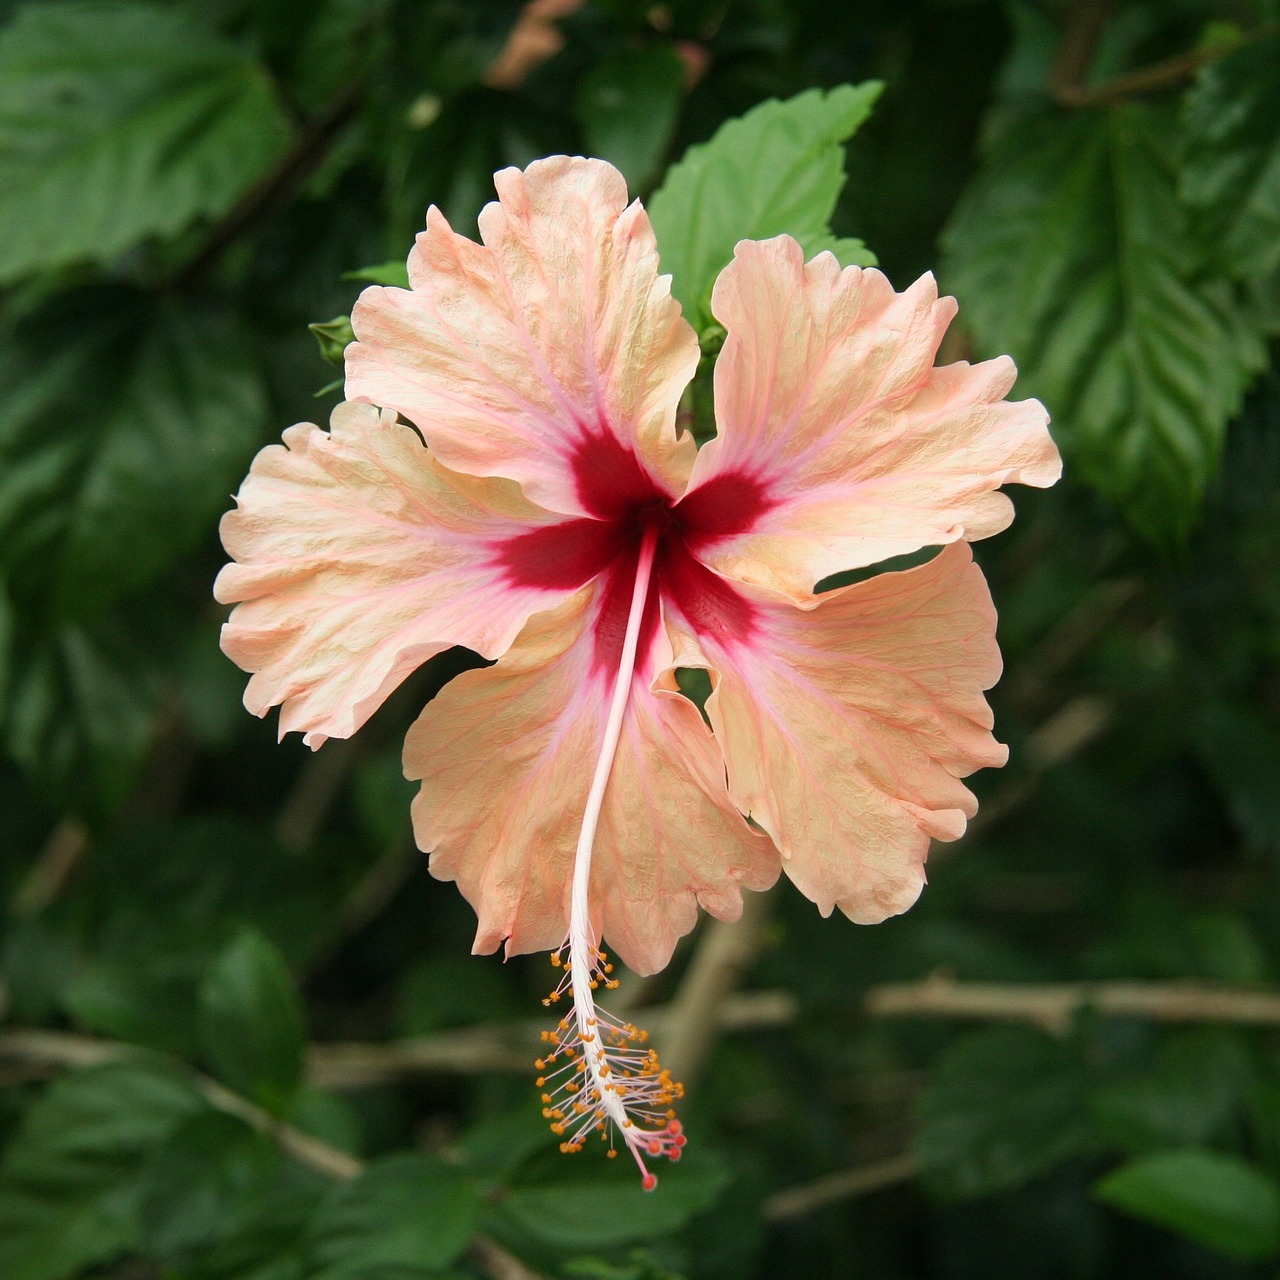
{"points": [[188, 905]]}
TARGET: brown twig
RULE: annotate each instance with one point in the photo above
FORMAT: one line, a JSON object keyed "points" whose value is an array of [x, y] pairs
{"points": [[292, 170], [498, 1262], [167, 771], [317, 786], [1067, 81], [1081, 36], [506, 1047], [57, 860], [306, 1150], [370, 896], [725, 953], [67, 1050], [1087, 620], [468, 1051], [496, 1048], [1168, 73], [1053, 1006], [861, 1180], [1060, 737], [58, 1048]]}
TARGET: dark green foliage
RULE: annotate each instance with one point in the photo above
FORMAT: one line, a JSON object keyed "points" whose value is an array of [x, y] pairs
{"points": [[628, 106], [189, 907], [119, 122], [75, 1174], [1232, 167], [1073, 252], [1191, 1092], [1240, 745], [122, 415], [1002, 1107], [409, 1214], [576, 1205]]}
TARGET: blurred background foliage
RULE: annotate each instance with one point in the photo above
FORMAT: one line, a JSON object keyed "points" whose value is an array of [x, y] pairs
{"points": [[242, 1037]]}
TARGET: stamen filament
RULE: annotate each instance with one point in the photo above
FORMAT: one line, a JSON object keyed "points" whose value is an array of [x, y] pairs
{"points": [[605, 1083], [578, 915]]}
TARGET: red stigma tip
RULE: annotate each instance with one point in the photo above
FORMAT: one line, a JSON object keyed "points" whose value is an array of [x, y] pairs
{"points": [[649, 1181]]}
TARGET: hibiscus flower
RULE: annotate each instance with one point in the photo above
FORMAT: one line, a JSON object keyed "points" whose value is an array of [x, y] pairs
{"points": [[508, 475]]}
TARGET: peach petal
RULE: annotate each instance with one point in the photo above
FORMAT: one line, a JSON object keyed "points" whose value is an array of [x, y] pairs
{"points": [[359, 557], [505, 757], [846, 728], [552, 353], [827, 398]]}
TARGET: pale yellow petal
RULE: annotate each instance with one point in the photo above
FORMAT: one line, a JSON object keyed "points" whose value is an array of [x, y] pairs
{"points": [[552, 354], [505, 756], [358, 557], [833, 421], [847, 728]]}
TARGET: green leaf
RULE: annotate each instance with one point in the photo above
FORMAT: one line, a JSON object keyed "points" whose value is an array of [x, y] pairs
{"points": [[327, 1116], [157, 906], [334, 336], [71, 1187], [394, 273], [628, 106], [189, 886], [779, 169], [157, 407], [583, 1202], [381, 796], [266, 1247], [452, 991], [205, 1184], [38, 959], [1072, 252], [849, 250], [144, 999], [499, 1144], [1001, 1107], [119, 122], [82, 702], [1231, 167], [1188, 1097], [639, 1266], [1215, 1199], [406, 1212], [252, 1021]]}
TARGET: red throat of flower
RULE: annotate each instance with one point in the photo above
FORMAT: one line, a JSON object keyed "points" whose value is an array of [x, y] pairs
{"points": [[600, 1076]]}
